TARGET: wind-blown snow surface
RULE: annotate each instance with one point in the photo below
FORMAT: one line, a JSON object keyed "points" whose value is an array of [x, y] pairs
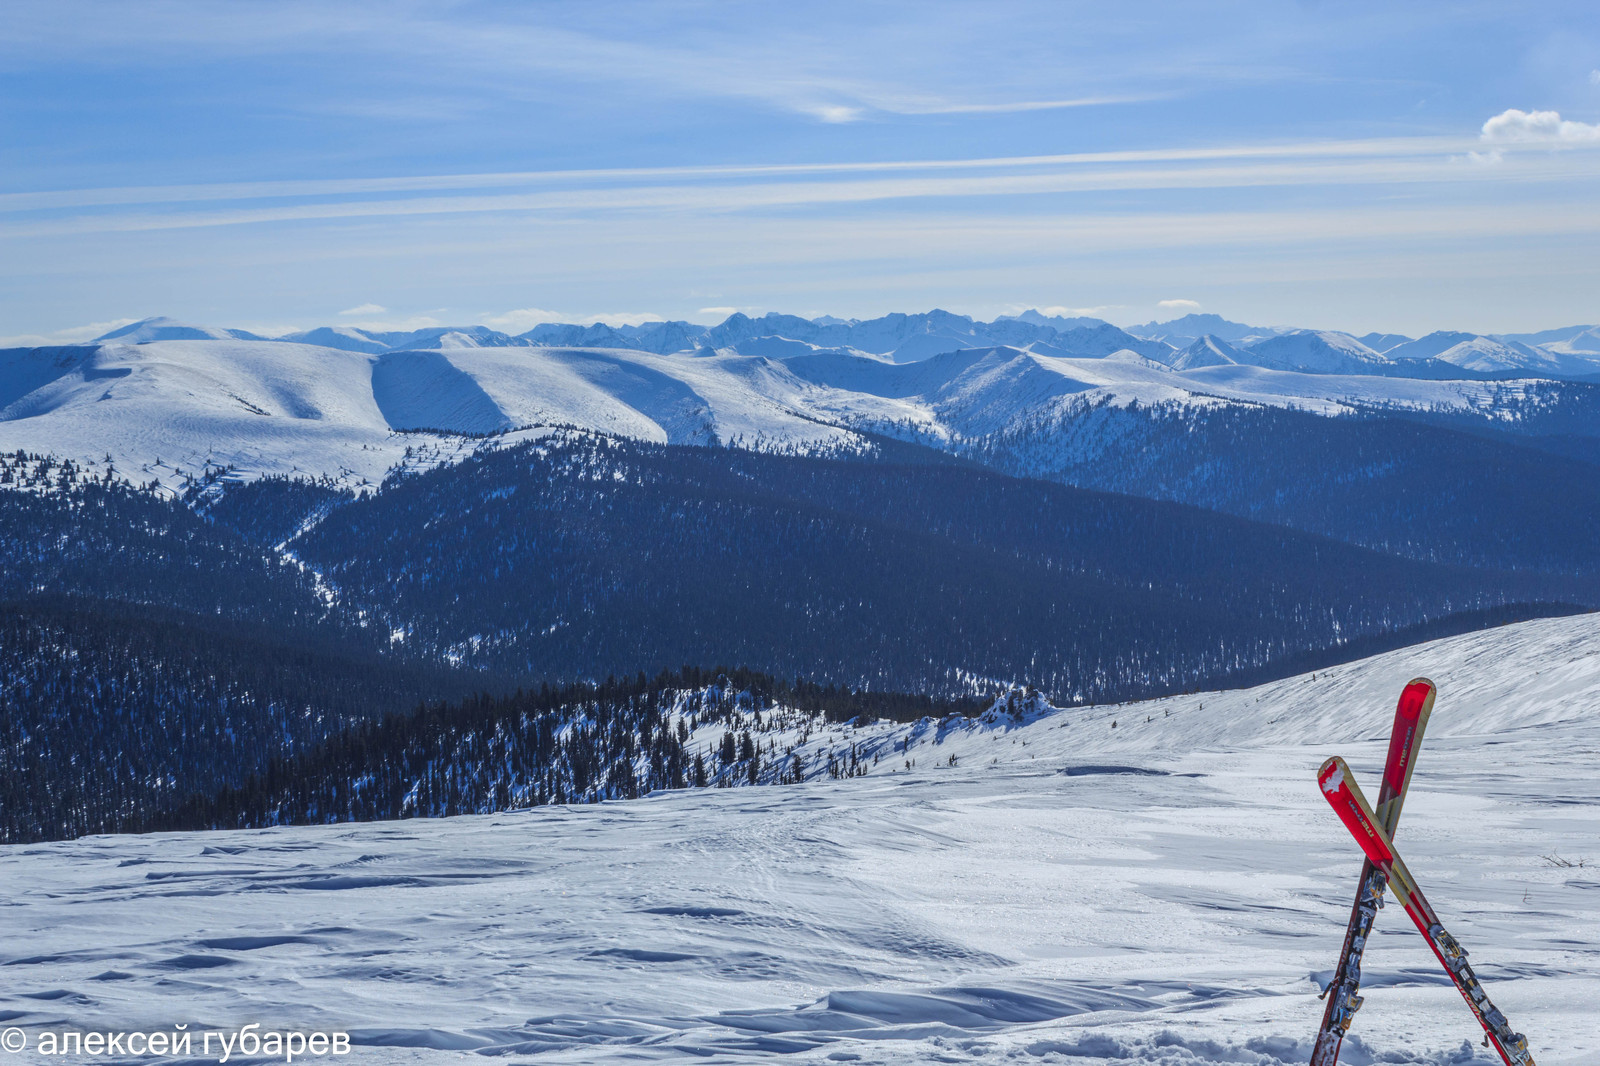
{"points": [[1171, 890]]}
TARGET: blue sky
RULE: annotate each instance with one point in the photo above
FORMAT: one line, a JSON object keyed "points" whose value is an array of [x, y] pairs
{"points": [[280, 165]]}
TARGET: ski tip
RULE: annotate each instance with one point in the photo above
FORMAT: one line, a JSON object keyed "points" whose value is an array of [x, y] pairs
{"points": [[1416, 699], [1332, 774]]}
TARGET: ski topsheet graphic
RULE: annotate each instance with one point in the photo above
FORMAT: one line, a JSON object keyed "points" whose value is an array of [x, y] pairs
{"points": [[1410, 720], [1344, 795]]}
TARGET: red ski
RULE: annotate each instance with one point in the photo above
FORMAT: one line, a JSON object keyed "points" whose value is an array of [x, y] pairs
{"points": [[1345, 796], [1410, 720]]}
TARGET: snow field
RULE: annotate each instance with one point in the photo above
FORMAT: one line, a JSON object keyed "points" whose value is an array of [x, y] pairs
{"points": [[1170, 891]]}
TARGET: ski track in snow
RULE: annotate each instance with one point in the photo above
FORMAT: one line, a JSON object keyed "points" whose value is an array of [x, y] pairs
{"points": [[1170, 891]]}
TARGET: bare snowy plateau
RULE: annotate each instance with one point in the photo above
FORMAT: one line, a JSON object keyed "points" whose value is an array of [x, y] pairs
{"points": [[165, 401], [1155, 882]]}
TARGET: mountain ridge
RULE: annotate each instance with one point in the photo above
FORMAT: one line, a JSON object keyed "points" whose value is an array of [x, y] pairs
{"points": [[900, 337]]}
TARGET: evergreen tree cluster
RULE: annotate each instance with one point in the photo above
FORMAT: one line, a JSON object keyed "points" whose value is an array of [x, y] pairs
{"points": [[581, 743]]}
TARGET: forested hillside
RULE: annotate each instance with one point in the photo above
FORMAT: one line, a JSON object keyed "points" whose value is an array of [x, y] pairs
{"points": [[102, 539], [578, 555], [110, 713], [227, 654], [1448, 489]]}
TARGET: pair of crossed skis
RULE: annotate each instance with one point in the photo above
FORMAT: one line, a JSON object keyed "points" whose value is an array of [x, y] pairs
{"points": [[1374, 829]]}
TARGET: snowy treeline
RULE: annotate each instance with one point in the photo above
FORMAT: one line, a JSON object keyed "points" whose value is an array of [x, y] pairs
{"points": [[620, 739]]}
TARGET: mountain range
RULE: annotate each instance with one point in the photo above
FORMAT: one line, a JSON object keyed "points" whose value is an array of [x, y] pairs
{"points": [[904, 338], [161, 401]]}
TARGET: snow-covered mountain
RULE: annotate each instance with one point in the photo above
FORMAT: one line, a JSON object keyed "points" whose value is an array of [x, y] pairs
{"points": [[343, 408], [1382, 342], [1182, 332], [1209, 350], [161, 328], [1569, 340], [1492, 355], [1158, 884], [1312, 351]]}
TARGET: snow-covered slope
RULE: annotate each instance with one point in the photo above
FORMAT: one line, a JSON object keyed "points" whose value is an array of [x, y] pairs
{"points": [[346, 338], [1208, 351], [268, 407], [1314, 352], [1473, 352], [161, 328], [260, 406], [1154, 883], [1575, 340]]}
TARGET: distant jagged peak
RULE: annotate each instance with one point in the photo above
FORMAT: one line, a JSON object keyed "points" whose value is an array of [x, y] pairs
{"points": [[1383, 343], [1034, 317], [1208, 350], [1191, 327], [1431, 346]]}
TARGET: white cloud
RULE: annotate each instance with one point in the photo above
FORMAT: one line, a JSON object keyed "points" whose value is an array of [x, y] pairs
{"points": [[720, 312], [1594, 77], [364, 309], [524, 319], [93, 329], [70, 335], [1074, 312], [400, 325], [835, 112], [1512, 126], [622, 318], [267, 329], [1178, 305]]}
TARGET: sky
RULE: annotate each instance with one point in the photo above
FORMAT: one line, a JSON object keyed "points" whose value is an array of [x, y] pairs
{"points": [[282, 165]]}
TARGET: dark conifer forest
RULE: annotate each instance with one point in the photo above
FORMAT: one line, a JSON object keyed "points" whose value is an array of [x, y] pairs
{"points": [[257, 652]]}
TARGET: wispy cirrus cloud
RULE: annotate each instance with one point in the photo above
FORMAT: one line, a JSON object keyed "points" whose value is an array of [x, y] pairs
{"points": [[1432, 148], [1183, 306], [457, 62], [647, 192], [363, 309], [1017, 106]]}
